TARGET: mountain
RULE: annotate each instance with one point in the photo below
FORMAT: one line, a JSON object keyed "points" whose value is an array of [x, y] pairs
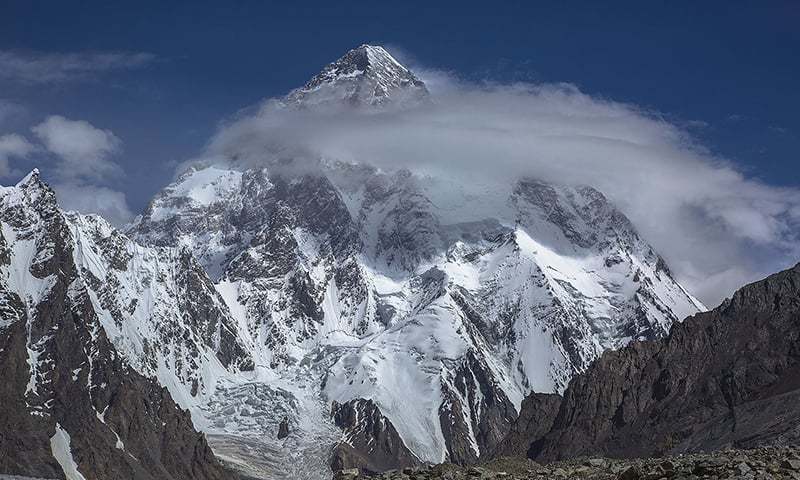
{"points": [[365, 76], [725, 378], [71, 405], [421, 310]]}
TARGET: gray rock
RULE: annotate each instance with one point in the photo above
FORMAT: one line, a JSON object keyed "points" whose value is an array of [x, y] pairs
{"points": [[373, 443], [283, 428]]}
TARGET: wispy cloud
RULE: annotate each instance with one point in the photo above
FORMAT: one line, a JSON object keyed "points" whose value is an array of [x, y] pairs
{"points": [[85, 198], [42, 68], [13, 145]]}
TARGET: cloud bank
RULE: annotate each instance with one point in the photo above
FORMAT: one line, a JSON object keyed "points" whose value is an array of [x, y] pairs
{"points": [[48, 68], [716, 227], [85, 198]]}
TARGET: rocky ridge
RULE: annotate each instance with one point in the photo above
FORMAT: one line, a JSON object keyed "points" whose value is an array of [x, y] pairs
{"points": [[70, 404]]}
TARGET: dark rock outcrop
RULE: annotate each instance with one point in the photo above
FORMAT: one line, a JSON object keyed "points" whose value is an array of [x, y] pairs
{"points": [[729, 377], [535, 419], [283, 429], [370, 441], [473, 402]]}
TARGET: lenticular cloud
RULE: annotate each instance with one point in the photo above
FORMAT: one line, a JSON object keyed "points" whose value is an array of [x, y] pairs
{"points": [[716, 227]]}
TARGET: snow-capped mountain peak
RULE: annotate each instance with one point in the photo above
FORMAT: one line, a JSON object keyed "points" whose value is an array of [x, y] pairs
{"points": [[365, 76], [261, 297], [30, 178], [360, 287]]}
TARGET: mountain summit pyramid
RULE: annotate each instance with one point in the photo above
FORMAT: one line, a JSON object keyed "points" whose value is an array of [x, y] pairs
{"points": [[367, 75]]}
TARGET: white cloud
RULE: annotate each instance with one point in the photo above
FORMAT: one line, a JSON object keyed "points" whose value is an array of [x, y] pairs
{"points": [[714, 225], [84, 150], [110, 204], [42, 68], [13, 145], [84, 166]]}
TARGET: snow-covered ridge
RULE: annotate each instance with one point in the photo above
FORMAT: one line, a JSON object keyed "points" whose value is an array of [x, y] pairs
{"points": [[159, 309], [156, 304], [368, 280], [69, 283]]}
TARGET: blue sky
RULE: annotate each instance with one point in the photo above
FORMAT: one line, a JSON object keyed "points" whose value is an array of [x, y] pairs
{"points": [[728, 69], [146, 84]]}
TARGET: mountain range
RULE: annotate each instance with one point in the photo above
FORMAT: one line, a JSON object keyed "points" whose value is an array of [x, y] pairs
{"points": [[339, 315]]}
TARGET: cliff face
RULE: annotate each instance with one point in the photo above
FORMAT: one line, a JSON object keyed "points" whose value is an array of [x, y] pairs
{"points": [[535, 420], [370, 442], [69, 405], [728, 377]]}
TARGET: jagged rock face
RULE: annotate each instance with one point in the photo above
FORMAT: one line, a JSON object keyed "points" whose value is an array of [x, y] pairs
{"points": [[69, 405], [370, 441], [720, 379], [159, 308], [356, 283], [473, 402], [365, 76], [536, 417]]}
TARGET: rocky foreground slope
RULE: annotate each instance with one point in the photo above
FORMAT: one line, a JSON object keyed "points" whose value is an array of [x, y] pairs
{"points": [[781, 463]]}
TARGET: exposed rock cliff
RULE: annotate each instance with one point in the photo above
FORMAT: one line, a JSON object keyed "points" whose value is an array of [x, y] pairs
{"points": [[725, 378]]}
